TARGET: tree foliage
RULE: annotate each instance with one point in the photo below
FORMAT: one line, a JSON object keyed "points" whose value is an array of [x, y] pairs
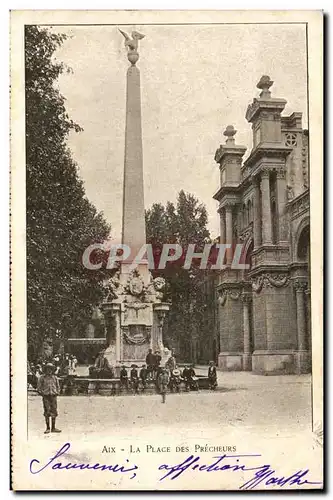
{"points": [[61, 222], [184, 223]]}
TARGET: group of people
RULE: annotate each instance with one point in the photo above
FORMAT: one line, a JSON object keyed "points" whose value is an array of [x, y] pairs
{"points": [[165, 378], [64, 365], [139, 380], [44, 378], [153, 364]]}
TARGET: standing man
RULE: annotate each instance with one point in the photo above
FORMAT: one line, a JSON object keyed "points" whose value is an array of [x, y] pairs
{"points": [[171, 363], [150, 362], [157, 366], [48, 387], [163, 382]]}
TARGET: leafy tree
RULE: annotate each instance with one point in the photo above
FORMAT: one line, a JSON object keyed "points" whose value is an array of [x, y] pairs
{"points": [[185, 223], [61, 222]]}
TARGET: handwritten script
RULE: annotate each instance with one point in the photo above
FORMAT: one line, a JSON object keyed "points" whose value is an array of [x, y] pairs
{"points": [[54, 464], [263, 475]]}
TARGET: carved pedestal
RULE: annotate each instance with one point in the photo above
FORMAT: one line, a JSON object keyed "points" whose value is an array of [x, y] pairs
{"points": [[134, 303]]}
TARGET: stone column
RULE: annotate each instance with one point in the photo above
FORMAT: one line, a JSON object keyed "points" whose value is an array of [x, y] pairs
{"points": [[301, 323], [281, 191], [256, 214], [302, 355], [246, 298], [222, 226], [308, 310], [266, 209], [228, 223]]}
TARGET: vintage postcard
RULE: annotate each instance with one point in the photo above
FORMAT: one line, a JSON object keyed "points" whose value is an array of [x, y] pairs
{"points": [[167, 240]]}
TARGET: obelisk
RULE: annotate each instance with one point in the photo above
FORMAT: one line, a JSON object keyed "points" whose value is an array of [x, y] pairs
{"points": [[134, 307], [133, 224]]}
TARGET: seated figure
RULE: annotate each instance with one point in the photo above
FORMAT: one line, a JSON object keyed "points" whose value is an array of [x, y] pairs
{"points": [[134, 379], [101, 368], [123, 377]]}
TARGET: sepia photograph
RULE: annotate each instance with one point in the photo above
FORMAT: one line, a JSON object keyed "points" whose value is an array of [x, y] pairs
{"points": [[167, 292]]}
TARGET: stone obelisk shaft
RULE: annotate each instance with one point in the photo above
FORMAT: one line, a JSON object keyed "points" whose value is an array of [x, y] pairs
{"points": [[133, 230]]}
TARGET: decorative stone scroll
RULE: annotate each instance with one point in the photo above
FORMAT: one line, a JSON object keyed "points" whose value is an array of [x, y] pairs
{"points": [[269, 280], [228, 292], [300, 285], [112, 288], [135, 287]]}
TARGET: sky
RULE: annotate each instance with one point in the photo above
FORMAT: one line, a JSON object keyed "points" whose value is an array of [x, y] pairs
{"points": [[195, 80]]}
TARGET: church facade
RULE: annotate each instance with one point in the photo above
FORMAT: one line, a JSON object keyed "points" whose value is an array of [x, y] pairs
{"points": [[264, 310]]}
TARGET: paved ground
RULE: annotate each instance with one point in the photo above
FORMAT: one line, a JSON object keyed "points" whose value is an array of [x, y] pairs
{"points": [[243, 401]]}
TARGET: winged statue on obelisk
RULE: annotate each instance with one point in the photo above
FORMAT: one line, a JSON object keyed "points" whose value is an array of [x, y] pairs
{"points": [[132, 43]]}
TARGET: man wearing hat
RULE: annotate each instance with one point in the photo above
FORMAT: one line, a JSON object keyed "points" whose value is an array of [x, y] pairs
{"points": [[175, 379], [150, 361], [48, 387]]}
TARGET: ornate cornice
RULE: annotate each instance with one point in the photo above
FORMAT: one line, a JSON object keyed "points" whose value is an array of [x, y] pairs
{"points": [[268, 105], [235, 152], [270, 150]]}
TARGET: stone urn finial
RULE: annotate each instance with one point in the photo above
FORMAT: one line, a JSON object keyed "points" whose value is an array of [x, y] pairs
{"points": [[265, 84], [229, 133]]}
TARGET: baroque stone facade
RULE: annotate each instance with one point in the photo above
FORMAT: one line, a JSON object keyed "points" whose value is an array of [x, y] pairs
{"points": [[264, 311]]}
